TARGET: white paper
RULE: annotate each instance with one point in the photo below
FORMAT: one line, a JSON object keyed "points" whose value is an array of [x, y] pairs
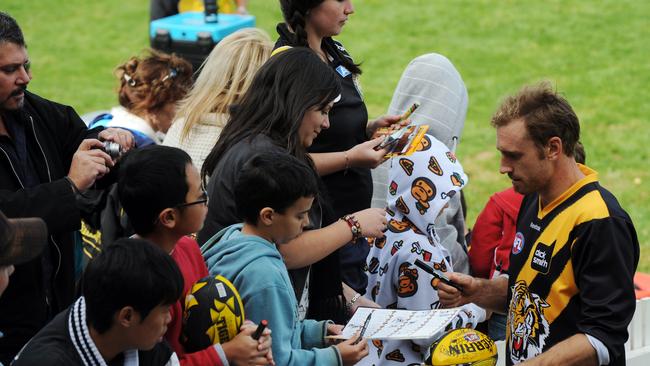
{"points": [[391, 324]]}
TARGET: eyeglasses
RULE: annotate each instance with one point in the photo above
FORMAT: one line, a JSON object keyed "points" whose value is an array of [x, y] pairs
{"points": [[203, 200]]}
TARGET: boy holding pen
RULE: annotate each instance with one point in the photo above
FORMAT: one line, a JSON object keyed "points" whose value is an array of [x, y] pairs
{"points": [[274, 194], [161, 192]]}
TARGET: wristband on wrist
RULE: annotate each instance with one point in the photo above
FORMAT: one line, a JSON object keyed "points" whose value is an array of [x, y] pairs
{"points": [[347, 163], [354, 225], [350, 303]]}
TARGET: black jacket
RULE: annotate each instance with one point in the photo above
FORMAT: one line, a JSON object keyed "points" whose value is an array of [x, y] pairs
{"points": [[44, 286], [53, 346]]}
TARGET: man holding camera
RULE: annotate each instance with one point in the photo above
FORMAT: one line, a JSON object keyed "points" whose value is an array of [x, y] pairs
{"points": [[47, 158]]}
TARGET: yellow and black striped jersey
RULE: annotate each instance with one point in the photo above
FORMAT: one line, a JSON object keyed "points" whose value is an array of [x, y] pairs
{"points": [[571, 271]]}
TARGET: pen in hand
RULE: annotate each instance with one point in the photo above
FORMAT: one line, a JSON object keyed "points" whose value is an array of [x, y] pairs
{"points": [[437, 274], [260, 328], [363, 329]]}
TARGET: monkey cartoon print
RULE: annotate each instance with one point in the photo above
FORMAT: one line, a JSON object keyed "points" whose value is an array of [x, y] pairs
{"points": [[419, 189]]}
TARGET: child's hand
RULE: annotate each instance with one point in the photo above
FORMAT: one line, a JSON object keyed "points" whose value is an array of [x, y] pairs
{"points": [[334, 329], [264, 343], [372, 222], [352, 353], [244, 350]]}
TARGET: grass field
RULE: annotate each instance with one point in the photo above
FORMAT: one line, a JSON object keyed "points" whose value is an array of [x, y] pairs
{"points": [[595, 52]]}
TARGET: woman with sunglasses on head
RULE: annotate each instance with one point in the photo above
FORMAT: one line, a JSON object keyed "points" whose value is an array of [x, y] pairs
{"points": [[284, 109], [343, 155], [150, 87]]}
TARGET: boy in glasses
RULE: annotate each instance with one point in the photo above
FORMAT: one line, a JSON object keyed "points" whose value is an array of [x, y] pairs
{"points": [[161, 192]]}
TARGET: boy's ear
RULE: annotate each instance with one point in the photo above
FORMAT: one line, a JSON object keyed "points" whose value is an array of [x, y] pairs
{"points": [[266, 216], [126, 317], [167, 218]]}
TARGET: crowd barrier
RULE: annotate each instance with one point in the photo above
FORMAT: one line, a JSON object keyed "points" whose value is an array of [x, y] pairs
{"points": [[637, 348]]}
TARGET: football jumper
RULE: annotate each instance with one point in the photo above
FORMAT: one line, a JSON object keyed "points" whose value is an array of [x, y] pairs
{"points": [[571, 269]]}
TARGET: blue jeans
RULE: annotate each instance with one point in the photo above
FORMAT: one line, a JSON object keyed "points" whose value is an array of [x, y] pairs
{"points": [[497, 327]]}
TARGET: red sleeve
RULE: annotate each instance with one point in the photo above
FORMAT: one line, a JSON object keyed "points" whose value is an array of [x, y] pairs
{"points": [[188, 257], [486, 236]]}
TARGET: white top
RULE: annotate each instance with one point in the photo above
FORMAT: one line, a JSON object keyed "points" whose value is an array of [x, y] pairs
{"points": [[202, 137], [125, 119]]}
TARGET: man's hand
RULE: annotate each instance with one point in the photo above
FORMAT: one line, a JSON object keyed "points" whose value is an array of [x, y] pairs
{"points": [[450, 297], [89, 163], [489, 294], [123, 137]]}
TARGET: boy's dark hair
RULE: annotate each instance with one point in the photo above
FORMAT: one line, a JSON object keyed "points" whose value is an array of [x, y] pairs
{"points": [[272, 179], [546, 114], [10, 31], [152, 179], [129, 272]]}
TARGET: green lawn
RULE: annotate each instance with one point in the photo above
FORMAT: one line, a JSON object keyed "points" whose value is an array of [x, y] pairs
{"points": [[595, 52]]}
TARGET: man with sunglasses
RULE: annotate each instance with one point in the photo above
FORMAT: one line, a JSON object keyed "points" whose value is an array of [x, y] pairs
{"points": [[162, 195], [46, 156]]}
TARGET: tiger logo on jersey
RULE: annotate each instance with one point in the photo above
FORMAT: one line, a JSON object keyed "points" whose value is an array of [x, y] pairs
{"points": [[528, 328]]}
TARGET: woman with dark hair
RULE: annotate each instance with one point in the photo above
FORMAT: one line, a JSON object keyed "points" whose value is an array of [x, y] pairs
{"points": [[284, 109], [343, 156]]}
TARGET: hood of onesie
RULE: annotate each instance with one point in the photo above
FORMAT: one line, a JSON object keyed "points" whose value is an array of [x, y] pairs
{"points": [[433, 81], [420, 185]]}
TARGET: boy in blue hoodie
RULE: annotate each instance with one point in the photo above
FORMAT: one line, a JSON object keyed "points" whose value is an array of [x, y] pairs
{"points": [[274, 194]]}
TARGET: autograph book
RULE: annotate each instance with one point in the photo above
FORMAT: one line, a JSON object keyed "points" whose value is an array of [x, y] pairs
{"points": [[395, 324], [401, 142]]}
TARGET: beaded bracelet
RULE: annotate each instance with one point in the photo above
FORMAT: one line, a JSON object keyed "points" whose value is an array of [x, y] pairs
{"points": [[354, 225]]}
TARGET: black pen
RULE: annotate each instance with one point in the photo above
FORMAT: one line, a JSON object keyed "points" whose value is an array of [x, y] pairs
{"points": [[437, 274], [260, 329], [363, 329]]}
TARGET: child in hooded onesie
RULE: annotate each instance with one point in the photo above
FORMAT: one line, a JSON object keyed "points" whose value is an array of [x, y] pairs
{"points": [[419, 188]]}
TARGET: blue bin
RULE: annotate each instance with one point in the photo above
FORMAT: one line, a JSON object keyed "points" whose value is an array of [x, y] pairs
{"points": [[189, 36]]}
